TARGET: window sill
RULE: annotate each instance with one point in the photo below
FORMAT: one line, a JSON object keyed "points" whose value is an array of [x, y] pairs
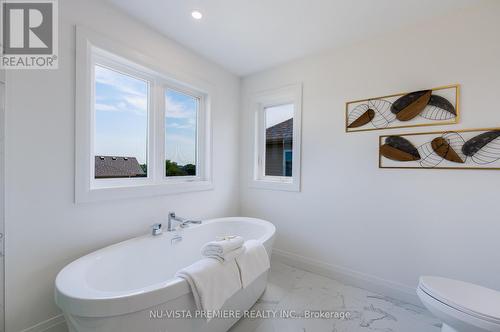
{"points": [[137, 191], [275, 184]]}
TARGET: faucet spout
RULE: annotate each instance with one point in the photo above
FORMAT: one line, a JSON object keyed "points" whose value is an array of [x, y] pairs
{"points": [[183, 222], [186, 223]]}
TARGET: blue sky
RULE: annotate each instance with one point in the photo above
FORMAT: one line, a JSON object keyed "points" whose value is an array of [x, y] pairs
{"points": [[122, 116]]}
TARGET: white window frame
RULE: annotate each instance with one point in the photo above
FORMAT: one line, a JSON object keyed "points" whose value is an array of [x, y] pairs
{"points": [[99, 58], [291, 94], [93, 49]]}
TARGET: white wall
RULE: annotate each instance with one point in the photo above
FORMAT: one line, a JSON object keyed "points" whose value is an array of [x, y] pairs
{"points": [[45, 229], [393, 225]]}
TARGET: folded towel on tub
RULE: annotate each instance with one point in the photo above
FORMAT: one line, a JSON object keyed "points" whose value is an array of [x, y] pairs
{"points": [[220, 248], [252, 262], [211, 282], [229, 256]]}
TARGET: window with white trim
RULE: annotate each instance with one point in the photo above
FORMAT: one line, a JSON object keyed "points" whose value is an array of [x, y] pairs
{"points": [[277, 139], [139, 131]]}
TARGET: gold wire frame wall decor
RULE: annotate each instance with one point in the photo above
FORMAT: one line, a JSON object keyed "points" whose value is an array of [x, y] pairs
{"points": [[432, 107], [459, 149]]}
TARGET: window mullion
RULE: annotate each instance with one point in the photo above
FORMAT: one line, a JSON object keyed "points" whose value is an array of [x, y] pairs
{"points": [[159, 131]]}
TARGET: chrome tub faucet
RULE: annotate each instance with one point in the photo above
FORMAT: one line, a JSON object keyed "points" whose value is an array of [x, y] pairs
{"points": [[183, 222]]}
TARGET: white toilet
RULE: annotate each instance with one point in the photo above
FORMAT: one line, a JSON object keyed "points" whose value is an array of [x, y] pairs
{"points": [[462, 307]]}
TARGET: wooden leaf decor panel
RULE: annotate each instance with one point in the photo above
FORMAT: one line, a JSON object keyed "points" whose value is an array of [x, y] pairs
{"points": [[411, 105], [363, 119], [395, 154], [399, 149], [438, 106], [461, 149], [443, 149]]}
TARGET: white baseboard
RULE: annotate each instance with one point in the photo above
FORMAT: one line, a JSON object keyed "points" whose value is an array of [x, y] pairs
{"points": [[54, 324], [349, 277]]}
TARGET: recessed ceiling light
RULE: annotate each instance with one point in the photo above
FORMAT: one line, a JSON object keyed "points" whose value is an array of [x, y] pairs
{"points": [[196, 15]]}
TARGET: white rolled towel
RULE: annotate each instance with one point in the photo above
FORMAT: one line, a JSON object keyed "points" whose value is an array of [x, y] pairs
{"points": [[229, 247], [229, 256]]}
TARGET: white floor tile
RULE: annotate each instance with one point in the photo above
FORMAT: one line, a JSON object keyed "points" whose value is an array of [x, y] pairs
{"points": [[293, 289]]}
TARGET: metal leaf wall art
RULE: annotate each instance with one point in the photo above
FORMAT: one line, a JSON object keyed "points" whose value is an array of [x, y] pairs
{"points": [[420, 108], [464, 149]]}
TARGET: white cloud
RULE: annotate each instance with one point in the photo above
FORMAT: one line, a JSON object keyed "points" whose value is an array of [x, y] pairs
{"points": [[138, 103], [128, 104], [106, 108], [177, 125], [123, 83], [177, 110], [127, 94]]}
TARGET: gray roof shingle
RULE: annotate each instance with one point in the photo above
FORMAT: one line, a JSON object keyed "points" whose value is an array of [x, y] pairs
{"points": [[117, 167], [281, 131]]}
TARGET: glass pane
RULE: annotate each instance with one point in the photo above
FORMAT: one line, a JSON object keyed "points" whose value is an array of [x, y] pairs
{"points": [[121, 125], [181, 116], [279, 140]]}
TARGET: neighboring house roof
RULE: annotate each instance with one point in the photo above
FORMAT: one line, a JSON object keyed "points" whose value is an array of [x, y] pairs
{"points": [[117, 167], [281, 131]]}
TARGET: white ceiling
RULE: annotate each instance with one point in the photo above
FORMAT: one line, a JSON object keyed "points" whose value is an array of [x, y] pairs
{"points": [[246, 36]]}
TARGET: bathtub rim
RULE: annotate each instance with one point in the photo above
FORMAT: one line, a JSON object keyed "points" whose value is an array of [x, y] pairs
{"points": [[119, 303]]}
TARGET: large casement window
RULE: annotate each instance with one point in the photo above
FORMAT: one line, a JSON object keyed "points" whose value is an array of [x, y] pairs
{"points": [[277, 138], [139, 132]]}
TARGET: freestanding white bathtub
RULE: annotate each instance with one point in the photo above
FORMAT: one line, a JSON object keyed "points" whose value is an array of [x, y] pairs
{"points": [[130, 286]]}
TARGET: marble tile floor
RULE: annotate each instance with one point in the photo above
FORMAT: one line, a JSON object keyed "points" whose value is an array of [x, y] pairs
{"points": [[293, 289]]}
